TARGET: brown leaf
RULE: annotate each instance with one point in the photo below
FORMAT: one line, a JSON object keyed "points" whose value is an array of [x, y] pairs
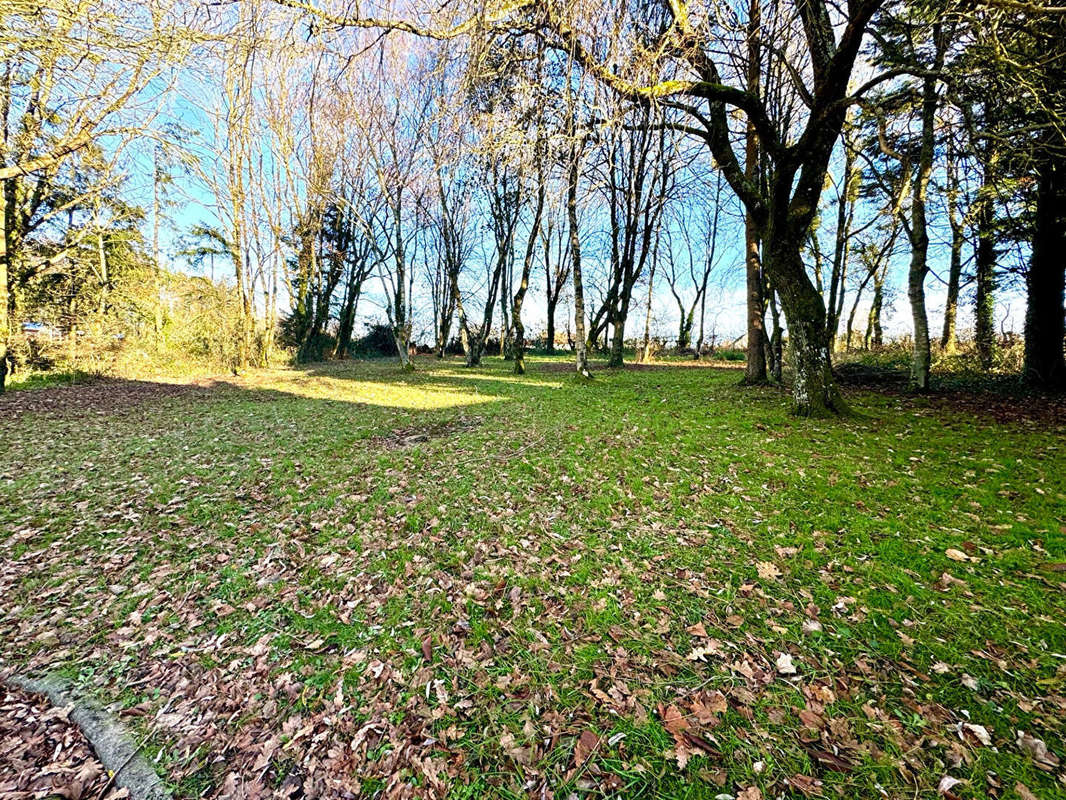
{"points": [[587, 744], [1036, 750], [811, 787], [811, 720], [829, 760]]}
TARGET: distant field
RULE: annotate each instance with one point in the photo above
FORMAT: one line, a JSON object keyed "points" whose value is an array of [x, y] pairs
{"points": [[459, 583]]}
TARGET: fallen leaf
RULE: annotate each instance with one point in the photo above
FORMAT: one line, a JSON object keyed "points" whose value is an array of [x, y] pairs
{"points": [[767, 570], [978, 732], [785, 665], [587, 744], [697, 630], [947, 783], [811, 787], [956, 555], [511, 748], [1036, 750]]}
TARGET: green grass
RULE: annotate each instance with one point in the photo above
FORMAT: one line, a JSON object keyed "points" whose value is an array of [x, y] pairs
{"points": [[257, 571]]}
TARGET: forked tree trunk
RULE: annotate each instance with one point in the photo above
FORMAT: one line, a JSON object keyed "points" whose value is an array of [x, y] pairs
{"points": [[1044, 323], [814, 390]]}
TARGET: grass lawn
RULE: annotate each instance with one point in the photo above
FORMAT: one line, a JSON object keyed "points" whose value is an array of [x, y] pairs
{"points": [[344, 581]]}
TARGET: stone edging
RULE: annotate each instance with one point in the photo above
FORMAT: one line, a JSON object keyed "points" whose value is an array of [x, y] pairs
{"points": [[119, 754]]}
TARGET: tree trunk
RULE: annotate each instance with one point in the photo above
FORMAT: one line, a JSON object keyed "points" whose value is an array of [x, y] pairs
{"points": [[523, 283], [874, 338], [347, 325], [157, 322], [775, 344], [645, 350], [949, 341], [985, 277], [615, 356], [550, 346], [920, 358], [581, 356], [4, 296], [1044, 323], [445, 329], [105, 278], [919, 236], [814, 389], [755, 369], [703, 316], [244, 343], [401, 335]]}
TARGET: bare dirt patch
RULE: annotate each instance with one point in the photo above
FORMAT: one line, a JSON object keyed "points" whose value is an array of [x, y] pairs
{"points": [[100, 396], [412, 435]]}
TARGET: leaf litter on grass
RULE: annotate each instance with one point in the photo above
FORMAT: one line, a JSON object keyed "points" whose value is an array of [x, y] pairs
{"points": [[285, 603]]}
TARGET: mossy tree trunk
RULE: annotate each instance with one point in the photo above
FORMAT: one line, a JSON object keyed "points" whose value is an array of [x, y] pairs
{"points": [[985, 276], [1044, 323]]}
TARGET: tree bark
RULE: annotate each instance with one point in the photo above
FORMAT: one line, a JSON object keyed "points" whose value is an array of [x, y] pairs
{"points": [[523, 284], [814, 389], [1044, 323], [775, 343], [581, 357], [645, 350], [550, 345], [157, 287], [874, 338], [985, 277], [949, 340], [4, 296], [755, 369], [615, 356], [919, 236]]}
